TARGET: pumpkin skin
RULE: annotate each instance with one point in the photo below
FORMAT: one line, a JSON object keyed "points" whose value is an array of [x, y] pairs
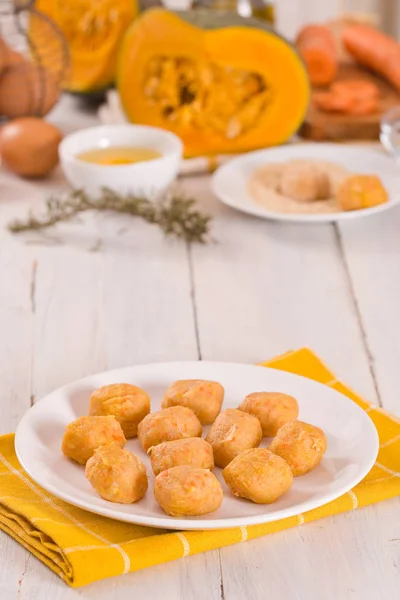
{"points": [[93, 30], [238, 55]]}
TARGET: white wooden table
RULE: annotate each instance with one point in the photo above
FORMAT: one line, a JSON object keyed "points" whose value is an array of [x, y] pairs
{"points": [[112, 291]]}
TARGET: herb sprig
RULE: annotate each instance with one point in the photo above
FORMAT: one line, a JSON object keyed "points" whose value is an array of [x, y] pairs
{"points": [[175, 214]]}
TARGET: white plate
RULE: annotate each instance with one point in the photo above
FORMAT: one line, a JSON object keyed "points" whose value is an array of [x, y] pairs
{"points": [[352, 443], [229, 182]]}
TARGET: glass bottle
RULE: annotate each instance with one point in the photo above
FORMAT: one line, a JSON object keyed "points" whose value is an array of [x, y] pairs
{"points": [[262, 9]]}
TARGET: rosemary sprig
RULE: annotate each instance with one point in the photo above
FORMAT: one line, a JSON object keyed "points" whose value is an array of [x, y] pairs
{"points": [[175, 214]]}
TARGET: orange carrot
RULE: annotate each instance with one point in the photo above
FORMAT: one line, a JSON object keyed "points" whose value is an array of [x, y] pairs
{"points": [[375, 50], [364, 106], [350, 97], [330, 102], [357, 87], [316, 46]]}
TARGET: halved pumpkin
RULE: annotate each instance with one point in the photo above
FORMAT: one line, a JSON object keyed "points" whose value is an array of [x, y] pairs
{"points": [[220, 82], [93, 30]]}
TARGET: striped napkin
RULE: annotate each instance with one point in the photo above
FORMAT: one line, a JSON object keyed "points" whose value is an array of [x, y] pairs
{"points": [[82, 547]]}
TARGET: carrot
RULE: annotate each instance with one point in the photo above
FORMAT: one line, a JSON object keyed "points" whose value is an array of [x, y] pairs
{"points": [[330, 102], [375, 50], [364, 106], [315, 44], [351, 97], [361, 88]]}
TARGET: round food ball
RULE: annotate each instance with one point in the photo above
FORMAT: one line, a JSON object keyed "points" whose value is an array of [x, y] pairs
{"points": [[84, 435], [168, 424], [117, 475], [194, 452], [233, 432], [258, 475], [361, 191], [27, 89], [301, 445], [304, 182], [272, 409], [187, 492], [203, 397], [127, 403], [29, 146]]}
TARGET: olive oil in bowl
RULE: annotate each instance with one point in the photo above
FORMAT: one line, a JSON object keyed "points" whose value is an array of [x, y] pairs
{"points": [[118, 155]]}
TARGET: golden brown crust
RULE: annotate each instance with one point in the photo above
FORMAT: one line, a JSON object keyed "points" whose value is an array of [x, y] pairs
{"points": [[302, 446], [258, 475], [233, 432], [84, 435], [187, 491], [129, 404], [168, 424]]}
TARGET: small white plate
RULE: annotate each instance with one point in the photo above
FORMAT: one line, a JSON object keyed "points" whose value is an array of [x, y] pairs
{"points": [[230, 181], [352, 443]]}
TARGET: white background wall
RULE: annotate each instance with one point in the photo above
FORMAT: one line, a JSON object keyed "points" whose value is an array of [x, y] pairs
{"points": [[292, 14]]}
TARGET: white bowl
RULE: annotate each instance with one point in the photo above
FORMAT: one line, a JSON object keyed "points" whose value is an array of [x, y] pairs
{"points": [[148, 178]]}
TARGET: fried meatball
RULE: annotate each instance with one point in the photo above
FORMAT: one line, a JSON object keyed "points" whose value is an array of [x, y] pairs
{"points": [[169, 424], [127, 403], [194, 452], [233, 432], [258, 475], [203, 397], [187, 491], [117, 475], [304, 182], [85, 434], [301, 445], [272, 409]]}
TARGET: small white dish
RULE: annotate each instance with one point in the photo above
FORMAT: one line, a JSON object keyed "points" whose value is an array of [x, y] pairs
{"points": [[352, 443], [148, 179], [230, 181]]}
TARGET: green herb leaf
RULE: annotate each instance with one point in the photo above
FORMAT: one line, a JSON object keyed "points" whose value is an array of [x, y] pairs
{"points": [[175, 214]]}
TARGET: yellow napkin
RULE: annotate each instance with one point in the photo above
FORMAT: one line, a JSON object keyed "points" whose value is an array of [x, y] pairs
{"points": [[82, 547]]}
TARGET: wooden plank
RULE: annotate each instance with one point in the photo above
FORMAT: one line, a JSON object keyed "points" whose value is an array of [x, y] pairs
{"points": [[16, 327], [112, 292], [193, 578], [112, 298], [372, 252], [265, 288], [354, 555]]}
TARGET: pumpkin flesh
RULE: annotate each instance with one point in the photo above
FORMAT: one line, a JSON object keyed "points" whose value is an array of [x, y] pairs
{"points": [[93, 31], [227, 89]]}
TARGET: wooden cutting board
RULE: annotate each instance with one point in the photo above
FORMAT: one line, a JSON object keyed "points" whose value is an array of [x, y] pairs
{"points": [[321, 126]]}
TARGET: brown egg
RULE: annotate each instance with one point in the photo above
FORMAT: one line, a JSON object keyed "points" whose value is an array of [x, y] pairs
{"points": [[26, 90], [29, 146], [3, 55], [14, 57]]}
